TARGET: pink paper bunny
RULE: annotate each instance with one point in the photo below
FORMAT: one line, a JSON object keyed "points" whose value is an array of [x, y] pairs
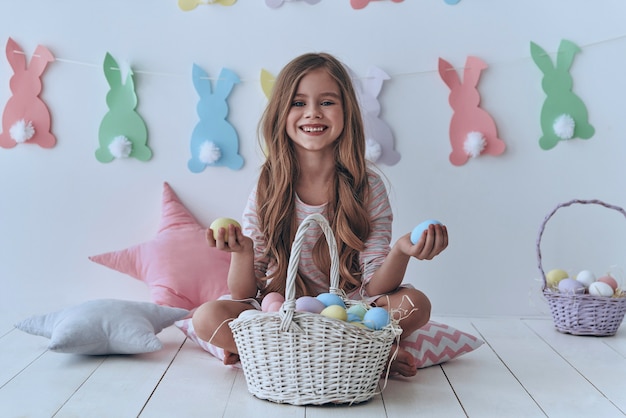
{"points": [[472, 129], [26, 117]]}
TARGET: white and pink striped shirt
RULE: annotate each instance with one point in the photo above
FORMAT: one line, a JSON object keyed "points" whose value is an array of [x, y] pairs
{"points": [[377, 246]]}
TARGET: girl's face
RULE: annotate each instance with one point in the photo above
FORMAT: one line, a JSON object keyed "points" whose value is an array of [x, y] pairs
{"points": [[315, 119]]}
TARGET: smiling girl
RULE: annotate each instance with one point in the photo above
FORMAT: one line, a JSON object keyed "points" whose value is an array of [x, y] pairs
{"points": [[315, 145]]}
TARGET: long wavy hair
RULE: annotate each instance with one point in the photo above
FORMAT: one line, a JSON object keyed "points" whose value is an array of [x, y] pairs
{"points": [[276, 195]]}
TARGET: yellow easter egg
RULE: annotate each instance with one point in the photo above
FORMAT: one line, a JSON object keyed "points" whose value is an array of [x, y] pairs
{"points": [[223, 223], [553, 277], [335, 311]]}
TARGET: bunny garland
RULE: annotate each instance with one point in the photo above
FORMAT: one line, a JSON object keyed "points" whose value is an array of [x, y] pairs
{"points": [[188, 5], [472, 129], [214, 141], [563, 115], [26, 118], [122, 132]]}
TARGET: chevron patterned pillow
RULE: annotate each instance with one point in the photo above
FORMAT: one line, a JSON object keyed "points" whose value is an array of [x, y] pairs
{"points": [[437, 343]]}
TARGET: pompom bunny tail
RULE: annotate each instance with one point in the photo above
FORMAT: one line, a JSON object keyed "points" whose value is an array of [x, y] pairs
{"points": [[474, 144], [373, 150], [22, 131], [564, 126], [209, 153], [120, 147]]}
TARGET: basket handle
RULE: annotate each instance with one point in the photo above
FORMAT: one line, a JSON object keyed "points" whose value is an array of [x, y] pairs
{"points": [[547, 218], [288, 308]]}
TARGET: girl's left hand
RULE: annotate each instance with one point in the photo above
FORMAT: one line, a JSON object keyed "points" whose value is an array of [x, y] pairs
{"points": [[432, 242]]}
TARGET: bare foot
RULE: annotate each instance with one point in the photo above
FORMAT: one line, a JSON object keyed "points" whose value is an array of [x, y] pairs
{"points": [[404, 363], [230, 358]]}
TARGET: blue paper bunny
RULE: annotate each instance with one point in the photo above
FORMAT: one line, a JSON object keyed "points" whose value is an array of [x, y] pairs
{"points": [[214, 141]]}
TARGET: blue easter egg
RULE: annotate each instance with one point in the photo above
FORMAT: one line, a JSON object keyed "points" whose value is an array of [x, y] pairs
{"points": [[354, 318], [329, 299], [376, 318], [417, 231]]}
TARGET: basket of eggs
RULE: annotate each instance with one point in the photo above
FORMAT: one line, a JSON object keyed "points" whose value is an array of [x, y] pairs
{"points": [[309, 352], [582, 305]]}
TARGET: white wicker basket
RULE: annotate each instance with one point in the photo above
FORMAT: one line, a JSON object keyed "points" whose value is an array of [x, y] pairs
{"points": [[304, 358]]}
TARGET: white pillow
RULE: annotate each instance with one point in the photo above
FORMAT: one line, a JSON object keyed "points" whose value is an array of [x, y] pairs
{"points": [[106, 326]]}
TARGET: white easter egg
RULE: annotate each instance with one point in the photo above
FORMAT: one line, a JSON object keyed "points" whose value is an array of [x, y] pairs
{"points": [[600, 289], [586, 277]]}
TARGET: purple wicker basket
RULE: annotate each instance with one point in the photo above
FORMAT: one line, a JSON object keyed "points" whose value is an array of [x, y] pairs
{"points": [[582, 314]]}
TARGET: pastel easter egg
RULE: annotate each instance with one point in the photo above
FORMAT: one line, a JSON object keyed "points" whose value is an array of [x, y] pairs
{"points": [[571, 286], [610, 281], [336, 312], [419, 229], [309, 304], [586, 277], [274, 306], [354, 318], [554, 276], [223, 223], [329, 299], [269, 299], [600, 289], [358, 310], [376, 318]]}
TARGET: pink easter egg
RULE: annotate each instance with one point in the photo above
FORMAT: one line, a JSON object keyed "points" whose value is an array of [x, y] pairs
{"points": [[269, 299], [274, 306], [610, 281]]}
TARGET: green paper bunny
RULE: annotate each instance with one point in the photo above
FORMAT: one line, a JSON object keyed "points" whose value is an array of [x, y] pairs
{"points": [[563, 115], [123, 132]]}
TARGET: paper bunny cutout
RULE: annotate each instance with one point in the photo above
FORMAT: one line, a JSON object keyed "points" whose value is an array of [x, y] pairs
{"points": [[472, 129], [214, 141], [187, 5], [378, 135], [563, 115], [26, 118], [274, 4], [359, 4], [122, 132]]}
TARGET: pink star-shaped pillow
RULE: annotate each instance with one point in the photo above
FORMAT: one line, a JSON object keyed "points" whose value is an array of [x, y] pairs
{"points": [[178, 265]]}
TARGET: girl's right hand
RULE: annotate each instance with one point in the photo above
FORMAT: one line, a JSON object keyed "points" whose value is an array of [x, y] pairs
{"points": [[237, 242]]}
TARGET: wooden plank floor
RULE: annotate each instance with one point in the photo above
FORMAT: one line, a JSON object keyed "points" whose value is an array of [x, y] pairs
{"points": [[525, 369]]}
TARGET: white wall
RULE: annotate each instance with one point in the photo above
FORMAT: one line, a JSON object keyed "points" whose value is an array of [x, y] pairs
{"points": [[59, 206]]}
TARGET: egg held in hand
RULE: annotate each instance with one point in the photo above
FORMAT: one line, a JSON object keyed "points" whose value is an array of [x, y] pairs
{"points": [[223, 223], [419, 229]]}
